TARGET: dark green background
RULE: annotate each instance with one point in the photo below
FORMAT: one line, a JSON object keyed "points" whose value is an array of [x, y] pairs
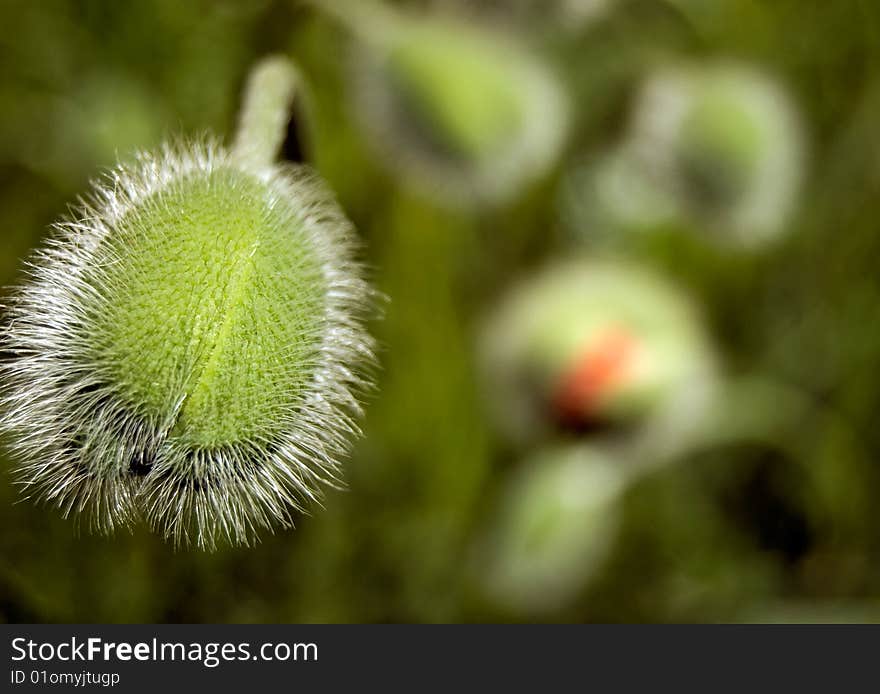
{"points": [[741, 533]]}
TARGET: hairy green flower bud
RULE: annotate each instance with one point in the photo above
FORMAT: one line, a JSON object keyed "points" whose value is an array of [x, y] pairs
{"points": [[188, 347]]}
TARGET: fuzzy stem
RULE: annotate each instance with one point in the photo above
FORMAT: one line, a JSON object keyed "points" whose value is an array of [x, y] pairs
{"points": [[265, 110], [753, 409]]}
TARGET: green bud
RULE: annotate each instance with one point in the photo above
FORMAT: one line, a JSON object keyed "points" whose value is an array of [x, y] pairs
{"points": [[589, 343], [459, 112], [553, 531], [189, 346], [717, 148]]}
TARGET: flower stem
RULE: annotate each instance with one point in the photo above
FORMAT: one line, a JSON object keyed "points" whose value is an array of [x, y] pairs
{"points": [[265, 111]]}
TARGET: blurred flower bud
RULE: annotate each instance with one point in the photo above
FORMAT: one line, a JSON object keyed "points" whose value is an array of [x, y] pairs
{"points": [[715, 147], [553, 530], [464, 114], [590, 343]]}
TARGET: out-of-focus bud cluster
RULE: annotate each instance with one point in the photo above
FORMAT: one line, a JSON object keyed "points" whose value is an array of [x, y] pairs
{"points": [[597, 370], [594, 370], [602, 369]]}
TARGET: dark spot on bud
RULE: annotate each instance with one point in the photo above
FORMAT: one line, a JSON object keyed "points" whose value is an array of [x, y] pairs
{"points": [[140, 464]]}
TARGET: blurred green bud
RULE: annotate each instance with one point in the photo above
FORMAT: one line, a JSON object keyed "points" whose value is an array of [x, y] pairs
{"points": [[714, 147], [188, 346], [554, 528], [588, 343], [465, 114]]}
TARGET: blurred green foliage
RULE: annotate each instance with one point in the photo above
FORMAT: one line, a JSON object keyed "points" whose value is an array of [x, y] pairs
{"points": [[743, 531]]}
